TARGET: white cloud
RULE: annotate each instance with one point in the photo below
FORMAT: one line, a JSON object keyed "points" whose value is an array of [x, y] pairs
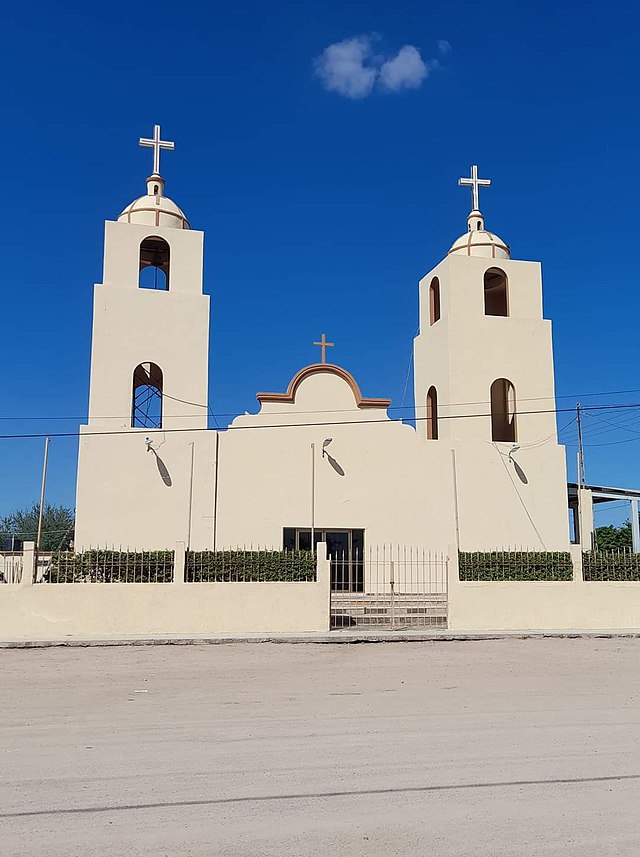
{"points": [[342, 69], [352, 68], [405, 71]]}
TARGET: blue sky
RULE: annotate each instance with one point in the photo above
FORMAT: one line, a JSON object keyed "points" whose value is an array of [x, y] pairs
{"points": [[321, 211]]}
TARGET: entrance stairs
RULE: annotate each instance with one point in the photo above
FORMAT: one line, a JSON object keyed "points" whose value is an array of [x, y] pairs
{"points": [[354, 609]]}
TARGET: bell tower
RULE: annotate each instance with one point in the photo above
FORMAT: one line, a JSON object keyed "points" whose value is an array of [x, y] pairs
{"points": [[149, 353], [484, 386], [150, 317]]}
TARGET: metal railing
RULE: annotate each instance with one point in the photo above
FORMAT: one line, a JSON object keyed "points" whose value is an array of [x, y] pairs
{"points": [[516, 565], [103, 565], [617, 564], [11, 563], [250, 566], [389, 586]]}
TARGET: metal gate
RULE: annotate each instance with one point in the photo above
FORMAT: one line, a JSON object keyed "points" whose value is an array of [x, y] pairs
{"points": [[11, 567], [391, 587]]}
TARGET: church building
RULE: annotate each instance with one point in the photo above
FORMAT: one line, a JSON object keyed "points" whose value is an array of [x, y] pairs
{"points": [[320, 461]]}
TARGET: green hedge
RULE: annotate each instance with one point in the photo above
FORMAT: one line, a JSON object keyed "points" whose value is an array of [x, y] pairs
{"points": [[110, 566], [610, 565], [515, 565], [250, 566]]}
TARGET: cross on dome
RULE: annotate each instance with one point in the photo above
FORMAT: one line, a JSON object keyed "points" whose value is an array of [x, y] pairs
{"points": [[475, 184], [156, 144], [324, 345]]}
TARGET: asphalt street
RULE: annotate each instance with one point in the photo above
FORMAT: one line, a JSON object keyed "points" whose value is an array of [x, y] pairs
{"points": [[467, 749]]}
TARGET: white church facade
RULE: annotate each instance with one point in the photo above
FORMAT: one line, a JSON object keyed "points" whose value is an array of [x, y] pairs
{"points": [[481, 469]]}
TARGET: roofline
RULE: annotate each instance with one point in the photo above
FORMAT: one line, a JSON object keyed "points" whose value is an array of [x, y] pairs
{"points": [[317, 368], [603, 493]]}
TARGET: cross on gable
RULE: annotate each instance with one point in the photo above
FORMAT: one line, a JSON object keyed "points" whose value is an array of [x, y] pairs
{"points": [[156, 144], [324, 345], [475, 184]]}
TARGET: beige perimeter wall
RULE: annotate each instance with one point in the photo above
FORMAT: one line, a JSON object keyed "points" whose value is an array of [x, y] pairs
{"points": [[544, 606], [96, 610]]}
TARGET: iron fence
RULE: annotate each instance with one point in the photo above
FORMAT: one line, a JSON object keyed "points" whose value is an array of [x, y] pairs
{"points": [[617, 564], [103, 565], [516, 565], [250, 566], [11, 567], [389, 586]]}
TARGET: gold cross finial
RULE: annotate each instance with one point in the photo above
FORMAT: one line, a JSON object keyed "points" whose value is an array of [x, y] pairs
{"points": [[324, 345]]}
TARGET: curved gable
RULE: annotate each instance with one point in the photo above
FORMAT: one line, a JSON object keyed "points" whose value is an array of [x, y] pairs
{"points": [[315, 369]]}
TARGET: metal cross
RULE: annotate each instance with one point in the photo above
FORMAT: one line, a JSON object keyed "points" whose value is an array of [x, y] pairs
{"points": [[156, 144], [324, 345], [474, 183]]}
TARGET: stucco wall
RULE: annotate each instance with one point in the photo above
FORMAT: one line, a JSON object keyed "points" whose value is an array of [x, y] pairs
{"points": [[133, 498], [107, 609], [542, 605], [384, 478]]}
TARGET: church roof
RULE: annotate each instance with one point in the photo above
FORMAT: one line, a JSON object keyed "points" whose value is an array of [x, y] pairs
{"points": [[155, 209], [477, 241]]}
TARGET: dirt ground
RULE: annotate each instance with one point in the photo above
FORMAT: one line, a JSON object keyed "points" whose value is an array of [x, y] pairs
{"points": [[467, 749]]}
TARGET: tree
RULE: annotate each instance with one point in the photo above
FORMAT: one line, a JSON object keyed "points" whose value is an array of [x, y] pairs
{"points": [[614, 538], [58, 524]]}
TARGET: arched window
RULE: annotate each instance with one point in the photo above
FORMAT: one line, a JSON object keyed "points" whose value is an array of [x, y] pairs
{"points": [[432, 414], [146, 400], [496, 298], [154, 264], [503, 411], [434, 300]]}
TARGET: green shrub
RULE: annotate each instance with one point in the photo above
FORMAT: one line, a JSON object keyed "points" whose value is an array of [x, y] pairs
{"points": [[250, 566], [515, 565], [610, 565], [110, 566]]}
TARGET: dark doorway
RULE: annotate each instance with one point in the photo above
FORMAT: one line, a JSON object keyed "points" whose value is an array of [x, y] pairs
{"points": [[345, 549]]}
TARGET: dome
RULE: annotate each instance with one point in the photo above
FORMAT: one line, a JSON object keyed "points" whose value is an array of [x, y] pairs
{"points": [[476, 241], [155, 209]]}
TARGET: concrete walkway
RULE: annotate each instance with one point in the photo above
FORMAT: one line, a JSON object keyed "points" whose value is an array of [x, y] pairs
{"points": [[407, 635]]}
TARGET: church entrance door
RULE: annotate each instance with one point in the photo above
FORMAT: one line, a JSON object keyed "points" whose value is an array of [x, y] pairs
{"points": [[345, 549]]}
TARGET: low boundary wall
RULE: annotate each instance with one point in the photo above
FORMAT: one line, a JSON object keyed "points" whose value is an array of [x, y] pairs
{"points": [[542, 605], [45, 610]]}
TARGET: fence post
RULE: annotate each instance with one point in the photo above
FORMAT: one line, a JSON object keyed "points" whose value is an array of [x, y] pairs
{"points": [[28, 563], [323, 577], [178, 563], [576, 559]]}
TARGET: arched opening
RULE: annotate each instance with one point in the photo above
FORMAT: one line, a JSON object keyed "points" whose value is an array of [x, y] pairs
{"points": [[503, 411], [496, 298], [432, 414], [154, 264], [434, 300], [146, 399]]}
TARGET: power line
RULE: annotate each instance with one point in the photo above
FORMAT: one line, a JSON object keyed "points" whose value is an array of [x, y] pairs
{"points": [[233, 414], [328, 423]]}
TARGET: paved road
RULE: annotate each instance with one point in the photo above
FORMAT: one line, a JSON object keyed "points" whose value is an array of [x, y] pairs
{"points": [[508, 747]]}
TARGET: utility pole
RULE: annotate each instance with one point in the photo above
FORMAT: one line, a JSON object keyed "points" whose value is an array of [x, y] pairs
{"points": [[313, 495], [47, 441], [582, 478]]}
